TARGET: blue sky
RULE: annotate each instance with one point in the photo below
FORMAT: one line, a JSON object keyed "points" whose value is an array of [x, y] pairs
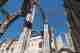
{"points": [[53, 9]]}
